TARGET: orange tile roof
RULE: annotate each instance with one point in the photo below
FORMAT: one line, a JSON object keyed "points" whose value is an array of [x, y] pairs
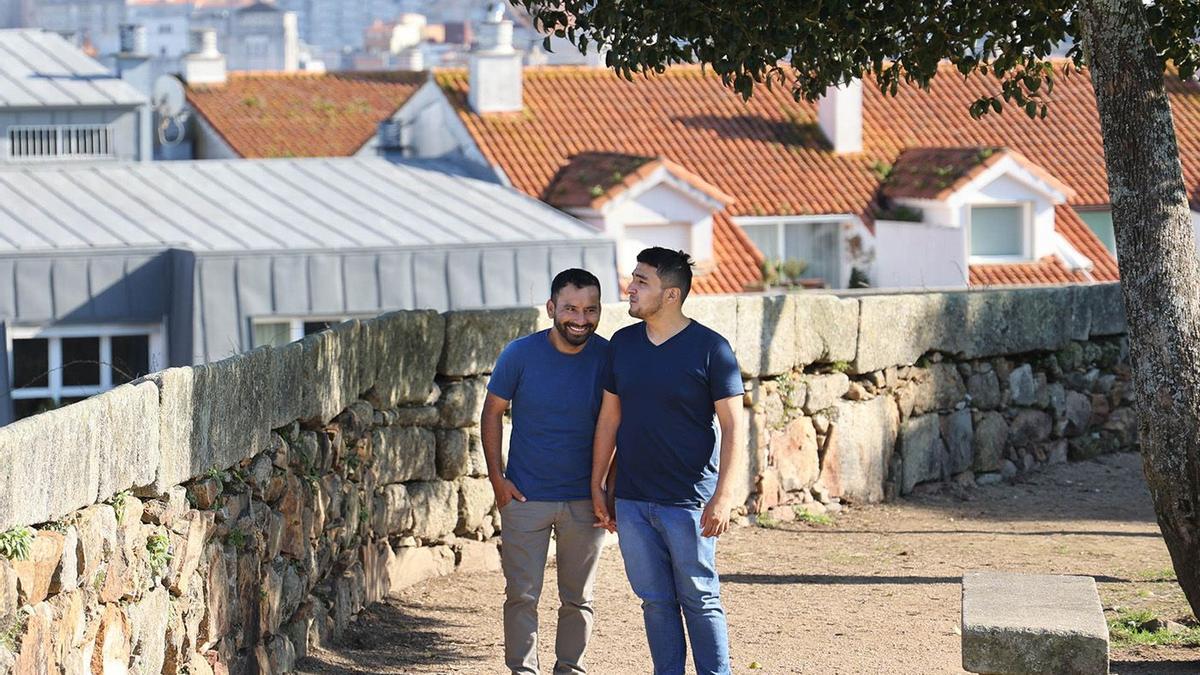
{"points": [[936, 173], [302, 114], [770, 155], [592, 179]]}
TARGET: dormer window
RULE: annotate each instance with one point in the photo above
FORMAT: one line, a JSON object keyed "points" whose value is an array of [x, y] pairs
{"points": [[1000, 232]]}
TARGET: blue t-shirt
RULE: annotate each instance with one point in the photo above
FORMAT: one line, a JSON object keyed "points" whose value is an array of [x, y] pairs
{"points": [[666, 444], [555, 400]]}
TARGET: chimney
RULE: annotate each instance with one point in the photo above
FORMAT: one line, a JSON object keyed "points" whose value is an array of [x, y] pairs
{"points": [[410, 58], [494, 69], [203, 64], [839, 114], [132, 61]]}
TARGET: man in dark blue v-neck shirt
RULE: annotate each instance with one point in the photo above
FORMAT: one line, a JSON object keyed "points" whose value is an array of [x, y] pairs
{"points": [[552, 381], [667, 379]]}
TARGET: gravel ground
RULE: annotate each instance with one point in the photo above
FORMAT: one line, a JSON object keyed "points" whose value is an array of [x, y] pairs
{"points": [[876, 592]]}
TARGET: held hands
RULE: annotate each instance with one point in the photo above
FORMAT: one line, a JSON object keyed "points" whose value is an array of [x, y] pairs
{"points": [[714, 520], [505, 492], [605, 509]]}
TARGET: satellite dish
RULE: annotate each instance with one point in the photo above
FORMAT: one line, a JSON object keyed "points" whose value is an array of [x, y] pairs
{"points": [[167, 96]]}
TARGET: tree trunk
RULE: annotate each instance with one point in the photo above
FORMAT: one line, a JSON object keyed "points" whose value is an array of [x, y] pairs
{"points": [[1160, 279]]}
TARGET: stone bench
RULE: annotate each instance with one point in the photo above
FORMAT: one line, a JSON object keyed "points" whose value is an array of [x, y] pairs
{"points": [[1032, 623]]}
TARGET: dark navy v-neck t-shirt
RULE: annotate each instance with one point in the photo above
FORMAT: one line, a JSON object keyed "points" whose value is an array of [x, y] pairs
{"points": [[555, 400], [666, 444]]}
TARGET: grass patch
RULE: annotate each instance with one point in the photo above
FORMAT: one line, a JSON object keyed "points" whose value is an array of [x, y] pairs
{"points": [[15, 543], [1162, 574], [765, 520], [12, 628], [159, 547], [805, 516], [1143, 627]]}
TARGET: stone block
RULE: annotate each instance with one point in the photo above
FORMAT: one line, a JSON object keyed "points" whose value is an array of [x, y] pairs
{"points": [[330, 371], [1031, 623], [9, 599], [63, 460], [434, 508], [404, 453], [824, 391], [766, 335], [613, 317], [862, 439], [478, 556], [940, 387], [1107, 309], [984, 389], [958, 434], [475, 502], [794, 455], [895, 330], [112, 646], [990, 439], [35, 572], [453, 453], [405, 348], [713, 311], [412, 565], [1021, 387], [422, 416], [1077, 413], [1015, 321], [826, 328], [66, 574], [1029, 428], [392, 513], [922, 450], [287, 385], [462, 402], [148, 630], [474, 338]]}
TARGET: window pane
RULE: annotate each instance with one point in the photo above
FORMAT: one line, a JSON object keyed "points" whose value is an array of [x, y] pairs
{"points": [[130, 357], [311, 327], [997, 230], [275, 333], [31, 363], [24, 407], [766, 238], [81, 361], [1100, 223]]}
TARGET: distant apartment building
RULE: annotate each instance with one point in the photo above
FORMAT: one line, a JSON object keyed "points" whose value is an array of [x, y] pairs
{"points": [[59, 105], [166, 25], [15, 13], [263, 37], [92, 21]]}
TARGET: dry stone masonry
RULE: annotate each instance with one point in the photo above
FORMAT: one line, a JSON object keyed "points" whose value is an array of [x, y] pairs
{"points": [[232, 516]]}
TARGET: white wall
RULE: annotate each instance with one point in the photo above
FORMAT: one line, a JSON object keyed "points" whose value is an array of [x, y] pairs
{"points": [[677, 221], [917, 255], [1005, 189]]}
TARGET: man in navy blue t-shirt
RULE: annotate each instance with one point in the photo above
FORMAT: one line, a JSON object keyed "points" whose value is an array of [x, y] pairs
{"points": [[552, 380], [668, 376]]}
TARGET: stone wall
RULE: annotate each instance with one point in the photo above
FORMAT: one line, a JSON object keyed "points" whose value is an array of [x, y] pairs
{"points": [[228, 517]]}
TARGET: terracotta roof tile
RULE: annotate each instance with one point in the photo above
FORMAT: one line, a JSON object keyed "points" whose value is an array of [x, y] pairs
{"points": [[302, 114], [591, 179], [769, 154], [936, 173]]}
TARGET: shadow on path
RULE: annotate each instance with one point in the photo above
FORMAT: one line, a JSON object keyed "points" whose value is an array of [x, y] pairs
{"points": [[859, 580], [387, 638], [1154, 667]]}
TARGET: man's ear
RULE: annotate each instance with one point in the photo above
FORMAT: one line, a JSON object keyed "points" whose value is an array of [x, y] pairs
{"points": [[550, 308], [673, 293]]}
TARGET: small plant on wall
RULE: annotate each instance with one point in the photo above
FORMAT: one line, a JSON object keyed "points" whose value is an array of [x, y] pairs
{"points": [[786, 273]]}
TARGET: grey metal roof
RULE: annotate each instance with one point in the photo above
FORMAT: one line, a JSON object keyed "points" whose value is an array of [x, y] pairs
{"points": [[39, 68], [271, 204]]}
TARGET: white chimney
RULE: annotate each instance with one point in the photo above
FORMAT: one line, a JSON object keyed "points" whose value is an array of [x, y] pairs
{"points": [[494, 69], [204, 64], [410, 58], [840, 116]]}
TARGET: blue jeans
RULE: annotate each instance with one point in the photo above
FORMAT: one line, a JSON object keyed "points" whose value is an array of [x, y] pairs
{"points": [[671, 567]]}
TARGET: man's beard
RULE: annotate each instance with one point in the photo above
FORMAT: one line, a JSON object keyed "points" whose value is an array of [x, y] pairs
{"points": [[573, 338]]}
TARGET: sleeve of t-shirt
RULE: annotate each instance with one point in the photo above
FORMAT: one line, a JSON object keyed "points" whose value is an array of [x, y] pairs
{"points": [[724, 375], [607, 377], [506, 375]]}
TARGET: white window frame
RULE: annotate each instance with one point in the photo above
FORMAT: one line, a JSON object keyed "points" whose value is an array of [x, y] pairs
{"points": [[1026, 254], [63, 135], [295, 323], [54, 336], [780, 223]]}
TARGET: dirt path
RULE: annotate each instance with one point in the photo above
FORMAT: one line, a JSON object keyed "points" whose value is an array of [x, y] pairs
{"points": [[877, 592]]}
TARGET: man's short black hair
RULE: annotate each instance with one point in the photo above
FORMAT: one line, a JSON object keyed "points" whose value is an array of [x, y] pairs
{"points": [[674, 268], [575, 277]]}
